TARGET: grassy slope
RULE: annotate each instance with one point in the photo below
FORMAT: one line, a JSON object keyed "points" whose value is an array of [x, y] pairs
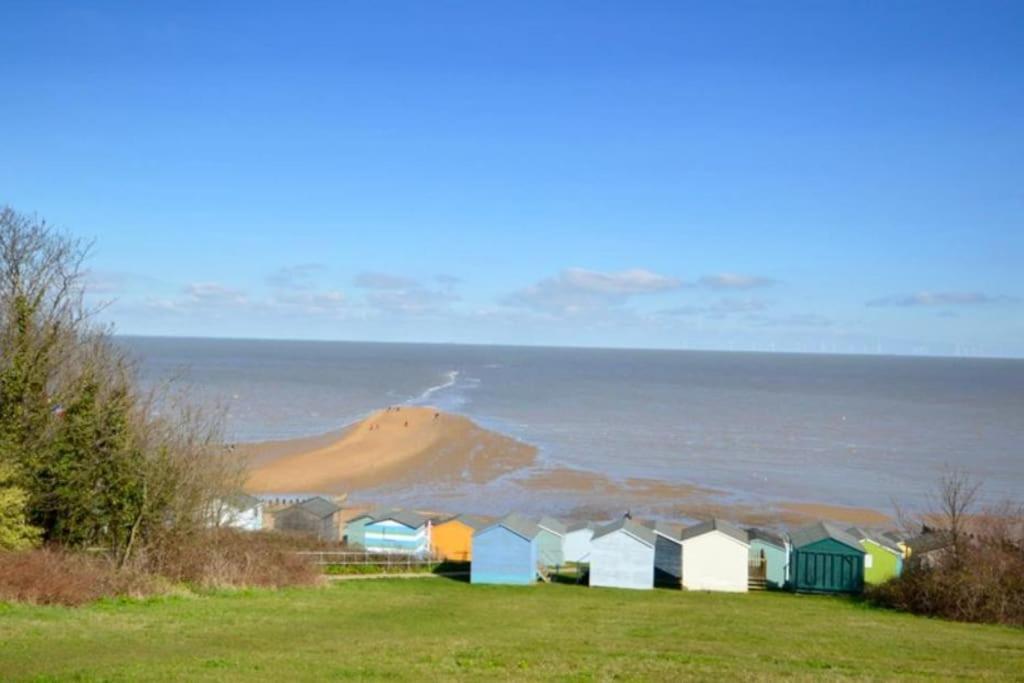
{"points": [[432, 628]]}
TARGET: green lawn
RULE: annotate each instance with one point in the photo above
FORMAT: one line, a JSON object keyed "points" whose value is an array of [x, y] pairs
{"points": [[435, 629]]}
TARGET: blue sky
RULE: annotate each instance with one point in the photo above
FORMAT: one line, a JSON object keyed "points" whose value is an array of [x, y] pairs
{"points": [[790, 176]]}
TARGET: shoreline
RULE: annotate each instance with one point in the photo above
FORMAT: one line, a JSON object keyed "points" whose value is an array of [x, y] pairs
{"points": [[418, 456]]}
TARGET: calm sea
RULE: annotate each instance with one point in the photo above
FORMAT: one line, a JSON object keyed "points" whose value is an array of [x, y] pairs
{"points": [[858, 430]]}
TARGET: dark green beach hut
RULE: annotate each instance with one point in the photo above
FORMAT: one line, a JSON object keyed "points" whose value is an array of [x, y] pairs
{"points": [[826, 559]]}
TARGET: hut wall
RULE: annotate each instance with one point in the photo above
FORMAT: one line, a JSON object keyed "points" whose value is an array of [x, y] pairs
{"points": [[549, 548], [389, 536], [452, 540], [715, 562], [777, 559], [502, 556], [355, 531], [827, 566], [576, 545], [668, 562], [618, 560], [880, 564]]}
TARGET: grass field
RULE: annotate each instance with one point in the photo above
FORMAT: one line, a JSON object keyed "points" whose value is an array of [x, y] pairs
{"points": [[435, 629]]}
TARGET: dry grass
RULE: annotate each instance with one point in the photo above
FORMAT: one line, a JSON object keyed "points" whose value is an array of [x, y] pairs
{"points": [[57, 577]]}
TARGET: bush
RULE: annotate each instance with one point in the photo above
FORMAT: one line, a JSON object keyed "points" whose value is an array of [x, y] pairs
{"points": [[219, 558], [988, 587], [57, 577]]}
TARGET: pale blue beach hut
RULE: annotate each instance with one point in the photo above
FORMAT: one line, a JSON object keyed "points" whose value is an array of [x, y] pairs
{"points": [[622, 555], [506, 552], [398, 531], [768, 557], [550, 541]]}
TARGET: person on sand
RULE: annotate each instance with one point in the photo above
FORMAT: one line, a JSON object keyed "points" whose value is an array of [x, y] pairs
{"points": [[437, 415], [406, 423]]}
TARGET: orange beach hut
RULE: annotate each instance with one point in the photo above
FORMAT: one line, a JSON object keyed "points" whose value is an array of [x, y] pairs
{"points": [[452, 538]]}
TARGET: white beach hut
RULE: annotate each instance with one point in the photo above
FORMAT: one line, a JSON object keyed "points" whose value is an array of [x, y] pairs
{"points": [[576, 544], [715, 557], [622, 555], [240, 511]]}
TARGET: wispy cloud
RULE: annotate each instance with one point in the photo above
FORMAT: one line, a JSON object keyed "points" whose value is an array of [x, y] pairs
{"points": [[298, 277], [735, 281], [944, 299], [377, 280], [578, 290], [720, 308]]}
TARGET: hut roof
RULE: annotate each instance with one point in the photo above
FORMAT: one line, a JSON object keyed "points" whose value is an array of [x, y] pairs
{"points": [[820, 532], [580, 526], [517, 524], [929, 541], [472, 521], [766, 536], [413, 520], [630, 526], [553, 525], [726, 528], [242, 501], [670, 530], [318, 507], [876, 537]]}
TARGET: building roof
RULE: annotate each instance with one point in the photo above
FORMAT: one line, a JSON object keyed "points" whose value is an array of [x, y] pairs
{"points": [[719, 525], [580, 526], [553, 525], [318, 507], [820, 532], [472, 521], [630, 526], [929, 541], [413, 520], [766, 536], [242, 501], [876, 537], [517, 524], [670, 530]]}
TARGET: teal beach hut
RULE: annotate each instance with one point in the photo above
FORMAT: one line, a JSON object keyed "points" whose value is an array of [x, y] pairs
{"points": [[825, 559], [355, 528], [506, 552], [769, 552], [550, 541]]}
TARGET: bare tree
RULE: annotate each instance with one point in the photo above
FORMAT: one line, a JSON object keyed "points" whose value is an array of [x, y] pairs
{"points": [[954, 503]]}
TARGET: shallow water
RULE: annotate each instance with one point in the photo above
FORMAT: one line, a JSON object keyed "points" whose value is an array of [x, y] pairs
{"points": [[855, 430]]}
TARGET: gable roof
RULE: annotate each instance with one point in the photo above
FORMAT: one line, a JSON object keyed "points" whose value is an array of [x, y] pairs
{"points": [[580, 526], [413, 520], [318, 506], [630, 526], [820, 532], [517, 524], [242, 501], [715, 524], [766, 536], [472, 521], [553, 525], [929, 541], [670, 530], [876, 537]]}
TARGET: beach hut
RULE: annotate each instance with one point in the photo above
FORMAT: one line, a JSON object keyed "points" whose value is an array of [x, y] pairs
{"points": [[668, 554], [550, 541], [928, 549], [506, 552], [883, 559], [576, 544], [240, 511], [397, 531], [715, 557], [769, 557], [315, 516], [452, 539], [355, 527], [622, 555], [825, 559]]}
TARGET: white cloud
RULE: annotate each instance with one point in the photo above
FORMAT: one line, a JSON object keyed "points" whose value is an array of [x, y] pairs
{"points": [[375, 280], [727, 281], [578, 290], [940, 299]]}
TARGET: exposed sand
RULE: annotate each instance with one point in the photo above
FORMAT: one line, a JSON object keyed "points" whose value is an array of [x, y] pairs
{"points": [[392, 447], [421, 448]]}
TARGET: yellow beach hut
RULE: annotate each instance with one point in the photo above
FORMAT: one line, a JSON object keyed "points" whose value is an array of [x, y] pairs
{"points": [[452, 538]]}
